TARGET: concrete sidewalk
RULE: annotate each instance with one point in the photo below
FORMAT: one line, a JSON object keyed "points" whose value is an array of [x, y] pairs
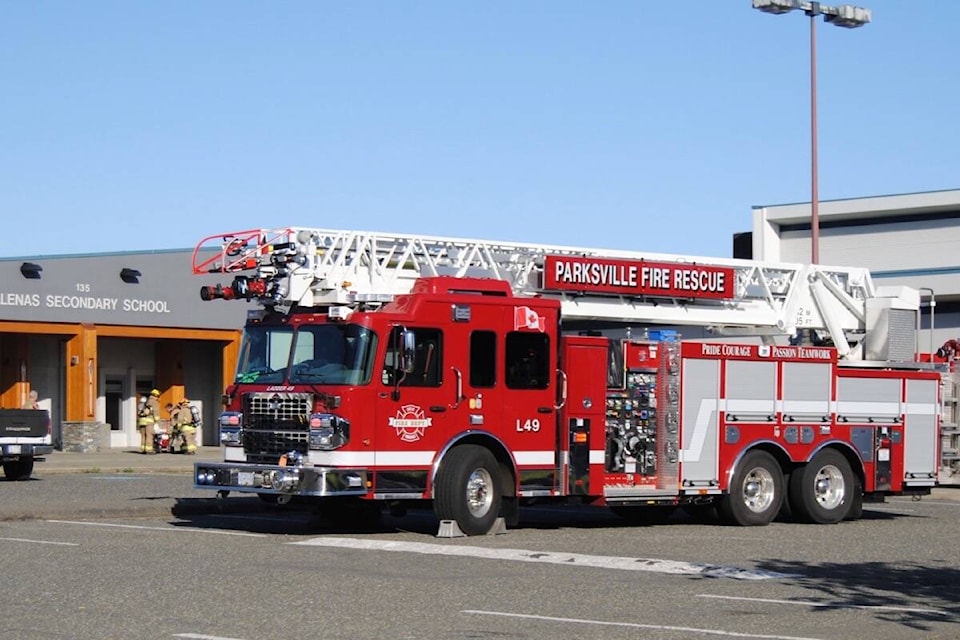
{"points": [[124, 461]]}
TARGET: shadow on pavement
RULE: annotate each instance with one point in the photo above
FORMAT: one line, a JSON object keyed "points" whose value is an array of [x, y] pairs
{"points": [[879, 584]]}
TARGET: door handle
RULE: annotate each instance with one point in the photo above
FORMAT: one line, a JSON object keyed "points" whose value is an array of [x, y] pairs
{"points": [[563, 389], [545, 409], [437, 408], [458, 389]]}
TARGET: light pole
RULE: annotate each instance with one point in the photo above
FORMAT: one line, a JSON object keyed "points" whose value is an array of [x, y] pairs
{"points": [[847, 16], [933, 307]]}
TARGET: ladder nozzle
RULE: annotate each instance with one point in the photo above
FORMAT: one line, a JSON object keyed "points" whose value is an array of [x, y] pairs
{"points": [[241, 287]]}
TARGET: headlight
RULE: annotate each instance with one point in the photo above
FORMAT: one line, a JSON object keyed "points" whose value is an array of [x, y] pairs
{"points": [[328, 431], [230, 422]]}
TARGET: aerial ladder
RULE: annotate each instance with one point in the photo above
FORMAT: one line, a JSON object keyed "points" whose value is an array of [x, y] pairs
{"points": [[296, 267]]}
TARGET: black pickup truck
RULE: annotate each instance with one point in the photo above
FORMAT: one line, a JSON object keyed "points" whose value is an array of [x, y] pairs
{"points": [[24, 437]]}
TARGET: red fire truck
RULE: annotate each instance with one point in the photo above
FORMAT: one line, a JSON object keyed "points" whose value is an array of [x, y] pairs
{"points": [[392, 370]]}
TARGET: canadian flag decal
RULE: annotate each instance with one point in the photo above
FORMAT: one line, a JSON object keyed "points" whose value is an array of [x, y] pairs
{"points": [[527, 318]]}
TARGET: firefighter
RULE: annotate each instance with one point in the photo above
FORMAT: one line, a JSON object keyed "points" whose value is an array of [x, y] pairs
{"points": [[171, 410], [147, 416], [187, 421], [33, 400]]}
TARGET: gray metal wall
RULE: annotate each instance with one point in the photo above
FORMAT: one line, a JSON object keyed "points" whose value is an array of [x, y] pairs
{"points": [[89, 289], [907, 245]]}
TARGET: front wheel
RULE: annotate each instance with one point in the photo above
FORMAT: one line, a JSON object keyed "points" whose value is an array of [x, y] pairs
{"points": [[756, 491], [821, 491], [466, 489], [18, 469]]}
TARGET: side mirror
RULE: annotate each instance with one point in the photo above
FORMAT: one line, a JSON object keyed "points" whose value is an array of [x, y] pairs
{"points": [[409, 351]]}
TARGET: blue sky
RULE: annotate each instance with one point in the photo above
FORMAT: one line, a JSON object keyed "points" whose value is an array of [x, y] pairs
{"points": [[643, 125]]}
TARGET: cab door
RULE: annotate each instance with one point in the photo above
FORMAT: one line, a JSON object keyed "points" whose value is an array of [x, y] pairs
{"points": [[529, 394], [411, 411]]}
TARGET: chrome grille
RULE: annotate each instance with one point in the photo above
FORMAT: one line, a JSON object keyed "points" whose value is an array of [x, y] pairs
{"points": [[274, 424], [268, 446], [279, 406]]}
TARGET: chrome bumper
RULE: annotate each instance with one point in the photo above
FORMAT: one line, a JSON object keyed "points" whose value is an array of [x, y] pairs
{"points": [[274, 479]]}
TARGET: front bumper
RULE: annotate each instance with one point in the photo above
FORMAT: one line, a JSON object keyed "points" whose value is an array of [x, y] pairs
{"points": [[274, 479]]}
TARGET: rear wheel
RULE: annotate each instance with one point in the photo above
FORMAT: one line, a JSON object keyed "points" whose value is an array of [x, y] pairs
{"points": [[822, 490], [467, 489], [856, 501], [756, 491], [18, 469]]}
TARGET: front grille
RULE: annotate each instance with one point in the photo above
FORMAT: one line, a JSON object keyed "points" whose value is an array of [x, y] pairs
{"points": [[278, 406], [267, 446], [274, 424]]}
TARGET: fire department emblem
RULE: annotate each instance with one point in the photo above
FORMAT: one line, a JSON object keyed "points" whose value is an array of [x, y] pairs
{"points": [[410, 422]]}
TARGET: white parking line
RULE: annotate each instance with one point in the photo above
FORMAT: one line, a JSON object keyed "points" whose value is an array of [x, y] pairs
{"points": [[179, 530], [808, 603], [549, 557], [200, 636], [65, 544], [637, 625]]}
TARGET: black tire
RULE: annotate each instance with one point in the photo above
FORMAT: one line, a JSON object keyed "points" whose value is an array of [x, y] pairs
{"points": [[756, 491], [856, 501], [269, 498], [467, 489], [822, 490], [786, 513], [18, 470]]}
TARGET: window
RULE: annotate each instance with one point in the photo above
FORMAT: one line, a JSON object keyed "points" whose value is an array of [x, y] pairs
{"points": [[427, 359], [264, 353], [528, 360], [333, 354], [317, 353], [483, 359], [113, 397]]}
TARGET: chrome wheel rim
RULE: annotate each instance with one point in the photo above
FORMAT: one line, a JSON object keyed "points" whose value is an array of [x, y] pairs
{"points": [[479, 492], [829, 487], [758, 491]]}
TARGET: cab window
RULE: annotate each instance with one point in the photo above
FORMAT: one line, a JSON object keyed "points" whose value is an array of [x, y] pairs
{"points": [[527, 360], [427, 359], [483, 358]]}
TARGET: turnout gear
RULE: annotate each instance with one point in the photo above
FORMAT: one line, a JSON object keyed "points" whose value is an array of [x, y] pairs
{"points": [[185, 420], [147, 415]]}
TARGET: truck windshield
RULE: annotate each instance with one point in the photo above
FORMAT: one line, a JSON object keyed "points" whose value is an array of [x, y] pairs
{"points": [[332, 354], [264, 354], [314, 354]]}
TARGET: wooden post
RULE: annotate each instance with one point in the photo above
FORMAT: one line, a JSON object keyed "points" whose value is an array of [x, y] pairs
{"points": [[81, 367]]}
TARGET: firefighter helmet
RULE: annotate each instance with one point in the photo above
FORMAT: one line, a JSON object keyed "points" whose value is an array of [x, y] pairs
{"points": [[155, 392]]}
